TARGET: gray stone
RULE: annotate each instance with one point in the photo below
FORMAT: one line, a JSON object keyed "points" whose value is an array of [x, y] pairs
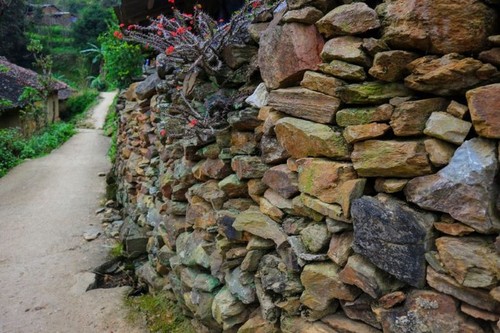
{"points": [[315, 237], [465, 188], [393, 236], [241, 284], [259, 224], [147, 88], [444, 126]]}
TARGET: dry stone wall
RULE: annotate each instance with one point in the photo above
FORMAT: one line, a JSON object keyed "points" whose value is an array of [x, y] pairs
{"points": [[357, 191]]}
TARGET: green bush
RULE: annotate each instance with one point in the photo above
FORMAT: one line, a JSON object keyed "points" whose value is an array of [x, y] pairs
{"points": [[14, 148], [79, 104], [122, 61]]}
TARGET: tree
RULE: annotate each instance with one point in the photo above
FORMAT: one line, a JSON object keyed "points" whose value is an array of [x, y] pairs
{"points": [[12, 26], [92, 22]]}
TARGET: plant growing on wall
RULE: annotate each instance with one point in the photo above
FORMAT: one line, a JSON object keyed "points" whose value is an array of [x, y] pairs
{"points": [[194, 43]]}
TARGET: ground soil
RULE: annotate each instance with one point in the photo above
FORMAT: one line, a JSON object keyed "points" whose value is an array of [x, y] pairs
{"points": [[46, 205]]}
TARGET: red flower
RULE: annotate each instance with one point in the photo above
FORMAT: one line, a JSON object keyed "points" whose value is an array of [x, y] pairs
{"points": [[173, 34], [170, 50], [163, 132], [171, 1], [160, 26], [181, 30], [256, 4], [172, 19], [193, 123], [131, 27], [122, 25], [118, 34]]}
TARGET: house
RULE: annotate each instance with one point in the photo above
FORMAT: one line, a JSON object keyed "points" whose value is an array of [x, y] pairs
{"points": [[48, 14], [13, 80]]}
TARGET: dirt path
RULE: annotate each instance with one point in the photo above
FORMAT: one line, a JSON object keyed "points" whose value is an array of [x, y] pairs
{"points": [[45, 206]]}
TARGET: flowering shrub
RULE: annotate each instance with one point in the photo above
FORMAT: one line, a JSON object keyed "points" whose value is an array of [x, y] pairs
{"points": [[195, 43], [195, 39]]}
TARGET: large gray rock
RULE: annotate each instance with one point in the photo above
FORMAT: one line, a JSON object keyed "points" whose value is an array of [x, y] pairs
{"points": [[147, 88], [465, 189], [393, 236]]}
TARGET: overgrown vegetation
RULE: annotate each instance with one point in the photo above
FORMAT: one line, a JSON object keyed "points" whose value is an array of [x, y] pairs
{"points": [[111, 129], [78, 105], [14, 148], [160, 313]]}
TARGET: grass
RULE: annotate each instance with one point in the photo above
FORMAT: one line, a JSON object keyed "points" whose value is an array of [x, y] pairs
{"points": [[14, 148], [78, 106], [160, 314], [111, 129]]}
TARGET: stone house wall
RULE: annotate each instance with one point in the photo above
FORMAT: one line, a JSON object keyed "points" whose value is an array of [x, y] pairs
{"points": [[356, 192]]}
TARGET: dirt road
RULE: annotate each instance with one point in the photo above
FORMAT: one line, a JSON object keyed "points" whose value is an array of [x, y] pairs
{"points": [[45, 206]]}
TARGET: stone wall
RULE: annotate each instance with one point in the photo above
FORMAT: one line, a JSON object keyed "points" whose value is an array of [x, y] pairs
{"points": [[356, 191]]}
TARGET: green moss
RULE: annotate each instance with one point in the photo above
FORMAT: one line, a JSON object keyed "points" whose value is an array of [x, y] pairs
{"points": [[160, 314]]}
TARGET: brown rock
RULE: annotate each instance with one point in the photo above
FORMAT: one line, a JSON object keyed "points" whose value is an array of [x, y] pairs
{"points": [[468, 178], [300, 209], [444, 126], [440, 152], [331, 182], [478, 313], [322, 286], [449, 75], [361, 116], [390, 185], [301, 325], [472, 261], [340, 247], [437, 26], [427, 311], [272, 151], [277, 200], [270, 210], [238, 204], [260, 225], [345, 325], [491, 56], [390, 300], [282, 180], [316, 139], [495, 293], [248, 167], [256, 188], [298, 43], [473, 296], [306, 15], [321, 83], [391, 65], [234, 187], [345, 48], [374, 46], [364, 132], [361, 309], [304, 103], [389, 158], [344, 70], [457, 110], [409, 118], [453, 229], [257, 324], [333, 211], [349, 19], [200, 213], [484, 103], [360, 272], [243, 143]]}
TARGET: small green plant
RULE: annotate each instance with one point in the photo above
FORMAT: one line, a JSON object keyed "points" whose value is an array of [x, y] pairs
{"points": [[161, 314], [111, 129], [117, 250]]}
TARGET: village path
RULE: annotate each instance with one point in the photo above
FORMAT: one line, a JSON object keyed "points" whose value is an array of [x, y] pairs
{"points": [[46, 205]]}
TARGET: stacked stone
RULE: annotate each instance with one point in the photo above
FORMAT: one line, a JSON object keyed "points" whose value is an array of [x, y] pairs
{"points": [[357, 193]]}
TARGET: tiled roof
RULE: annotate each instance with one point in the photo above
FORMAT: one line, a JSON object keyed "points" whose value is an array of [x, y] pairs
{"points": [[16, 78]]}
